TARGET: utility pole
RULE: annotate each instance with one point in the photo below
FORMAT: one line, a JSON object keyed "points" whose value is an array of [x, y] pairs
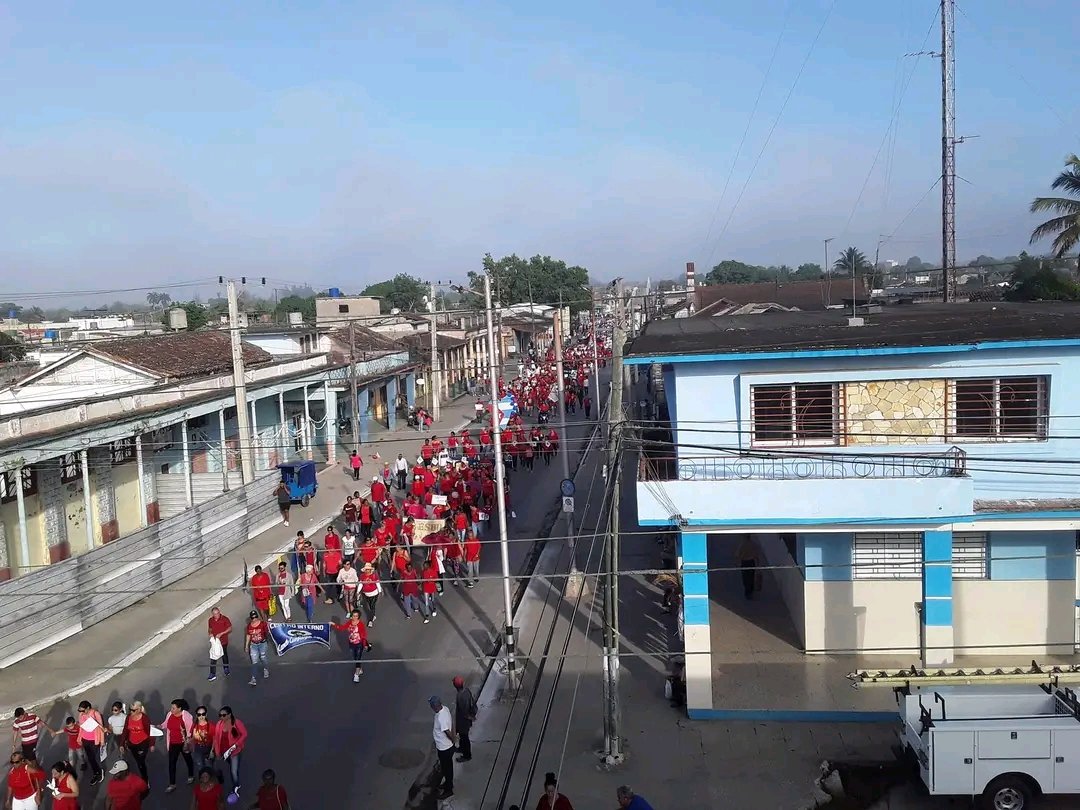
{"points": [[576, 581], [500, 494], [354, 411], [613, 753], [828, 274], [434, 395], [948, 150], [243, 419]]}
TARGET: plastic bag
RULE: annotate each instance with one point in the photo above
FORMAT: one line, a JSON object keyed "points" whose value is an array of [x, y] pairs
{"points": [[216, 650]]}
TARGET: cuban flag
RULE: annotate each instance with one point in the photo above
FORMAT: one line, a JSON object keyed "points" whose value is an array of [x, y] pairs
{"points": [[507, 408]]}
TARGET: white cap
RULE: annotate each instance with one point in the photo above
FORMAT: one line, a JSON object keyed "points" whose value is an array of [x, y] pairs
{"points": [[118, 767]]}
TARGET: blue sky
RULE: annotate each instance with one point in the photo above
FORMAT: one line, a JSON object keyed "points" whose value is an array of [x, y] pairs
{"points": [[339, 143]]}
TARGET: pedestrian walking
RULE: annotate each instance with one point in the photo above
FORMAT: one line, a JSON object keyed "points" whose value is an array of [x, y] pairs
{"points": [[472, 560], [283, 590], [271, 795], [117, 725], [552, 799], [358, 641], [137, 737], [628, 800], [411, 599], [24, 781], [349, 580], [309, 589], [331, 567], [355, 462], [255, 641], [586, 403], [284, 501], [749, 558], [25, 732], [401, 471], [65, 790], [218, 626], [429, 585], [261, 592], [177, 728], [92, 738], [75, 756], [202, 739], [464, 717], [370, 589], [230, 737], [125, 790], [443, 733], [208, 793]]}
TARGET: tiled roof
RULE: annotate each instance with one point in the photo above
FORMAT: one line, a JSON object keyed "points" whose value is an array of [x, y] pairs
{"points": [[422, 342], [179, 354], [801, 295], [365, 340]]}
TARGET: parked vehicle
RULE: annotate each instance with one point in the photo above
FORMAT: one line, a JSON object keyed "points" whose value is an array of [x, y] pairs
{"points": [[1008, 743], [299, 477]]}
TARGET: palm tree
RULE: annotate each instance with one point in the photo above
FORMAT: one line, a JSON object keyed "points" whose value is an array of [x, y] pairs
{"points": [[1064, 228], [851, 260]]}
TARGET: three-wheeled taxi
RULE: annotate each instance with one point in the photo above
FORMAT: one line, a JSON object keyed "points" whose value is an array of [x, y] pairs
{"points": [[299, 477]]}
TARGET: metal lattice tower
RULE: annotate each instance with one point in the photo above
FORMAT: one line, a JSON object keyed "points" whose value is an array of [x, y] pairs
{"points": [[948, 149]]}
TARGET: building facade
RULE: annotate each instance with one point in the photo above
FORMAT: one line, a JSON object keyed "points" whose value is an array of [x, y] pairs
{"points": [[909, 483]]}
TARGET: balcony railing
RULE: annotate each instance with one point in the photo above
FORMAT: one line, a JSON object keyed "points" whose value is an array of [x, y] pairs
{"points": [[802, 466]]}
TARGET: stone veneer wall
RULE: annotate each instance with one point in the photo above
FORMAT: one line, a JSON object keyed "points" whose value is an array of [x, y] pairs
{"points": [[895, 412]]}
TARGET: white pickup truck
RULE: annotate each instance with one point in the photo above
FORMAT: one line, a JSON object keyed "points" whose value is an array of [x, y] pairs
{"points": [[1007, 743]]}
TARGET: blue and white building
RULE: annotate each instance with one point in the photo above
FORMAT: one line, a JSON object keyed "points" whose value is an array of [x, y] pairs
{"points": [[910, 482]]}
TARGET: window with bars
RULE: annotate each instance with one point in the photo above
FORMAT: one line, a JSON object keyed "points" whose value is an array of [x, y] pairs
{"points": [[10, 479], [799, 414], [887, 555], [969, 555], [998, 408], [70, 468], [122, 450]]}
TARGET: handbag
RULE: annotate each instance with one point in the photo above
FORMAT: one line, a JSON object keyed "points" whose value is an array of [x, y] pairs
{"points": [[216, 650]]}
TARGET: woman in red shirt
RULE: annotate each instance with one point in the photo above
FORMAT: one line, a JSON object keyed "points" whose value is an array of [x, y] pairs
{"points": [[472, 560], [358, 641], [230, 735], [370, 589], [208, 793], [23, 781], [137, 736], [202, 739], [365, 518], [552, 799], [66, 792]]}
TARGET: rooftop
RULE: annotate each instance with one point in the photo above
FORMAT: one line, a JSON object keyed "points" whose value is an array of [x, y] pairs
{"points": [[920, 325], [179, 355], [363, 339], [802, 295]]}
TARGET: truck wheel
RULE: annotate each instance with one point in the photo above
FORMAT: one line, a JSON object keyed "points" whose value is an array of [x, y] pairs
{"points": [[1008, 793], [305, 501]]}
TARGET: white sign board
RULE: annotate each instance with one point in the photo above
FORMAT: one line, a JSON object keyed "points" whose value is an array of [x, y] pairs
{"points": [[568, 504]]}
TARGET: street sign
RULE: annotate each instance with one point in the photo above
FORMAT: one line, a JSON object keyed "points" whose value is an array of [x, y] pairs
{"points": [[567, 487], [568, 504]]}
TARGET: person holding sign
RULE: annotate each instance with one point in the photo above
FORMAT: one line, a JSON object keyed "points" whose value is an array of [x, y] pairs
{"points": [[92, 738]]}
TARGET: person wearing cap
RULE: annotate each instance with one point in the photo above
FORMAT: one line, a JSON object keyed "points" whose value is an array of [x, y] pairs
{"points": [[125, 790], [445, 736], [464, 717], [255, 640], [378, 490], [309, 588], [370, 589]]}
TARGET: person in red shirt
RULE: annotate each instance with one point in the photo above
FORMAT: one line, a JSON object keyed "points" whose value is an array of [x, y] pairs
{"points": [[125, 790], [23, 782], [367, 515], [208, 793], [430, 585], [331, 564], [378, 490], [331, 539], [255, 640], [66, 795], [427, 452], [381, 537], [370, 589], [271, 795], [177, 728], [261, 592], [358, 641], [472, 560], [410, 592], [218, 626]]}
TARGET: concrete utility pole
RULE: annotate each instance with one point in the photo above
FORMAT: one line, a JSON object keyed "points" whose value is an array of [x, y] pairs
{"points": [[948, 149], [576, 581], [500, 494], [354, 411], [243, 423], [435, 370], [613, 753]]}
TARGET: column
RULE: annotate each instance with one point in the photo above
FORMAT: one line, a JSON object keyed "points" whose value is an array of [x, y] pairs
{"points": [[364, 398], [937, 613], [148, 479], [141, 472], [469, 358], [283, 442], [5, 562], [255, 443], [24, 536], [185, 459], [223, 445], [307, 425], [330, 398], [88, 509], [410, 389], [51, 490], [104, 495], [391, 403], [697, 641]]}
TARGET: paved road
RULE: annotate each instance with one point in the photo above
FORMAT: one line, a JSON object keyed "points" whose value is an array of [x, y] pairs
{"points": [[367, 741]]}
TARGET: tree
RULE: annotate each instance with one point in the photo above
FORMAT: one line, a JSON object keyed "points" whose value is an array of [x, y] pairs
{"points": [[667, 284], [158, 300], [1033, 280], [914, 263], [10, 310], [541, 279], [808, 271], [11, 349], [403, 292], [197, 315], [731, 271], [305, 305], [1065, 228], [854, 260]]}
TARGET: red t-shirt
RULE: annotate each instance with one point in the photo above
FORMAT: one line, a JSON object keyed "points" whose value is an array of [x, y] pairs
{"points": [[258, 631], [410, 586], [23, 782], [221, 625], [260, 587], [65, 783], [138, 730], [126, 793], [331, 561], [431, 577], [174, 729], [332, 541], [272, 798], [208, 799], [472, 549], [369, 552]]}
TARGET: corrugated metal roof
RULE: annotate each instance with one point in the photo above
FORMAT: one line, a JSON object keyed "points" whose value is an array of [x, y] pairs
{"points": [[179, 355]]}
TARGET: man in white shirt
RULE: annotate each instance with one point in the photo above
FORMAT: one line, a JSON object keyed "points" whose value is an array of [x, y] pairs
{"points": [[444, 735], [401, 470]]}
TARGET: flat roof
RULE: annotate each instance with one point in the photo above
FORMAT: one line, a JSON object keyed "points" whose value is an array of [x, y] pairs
{"points": [[925, 327]]}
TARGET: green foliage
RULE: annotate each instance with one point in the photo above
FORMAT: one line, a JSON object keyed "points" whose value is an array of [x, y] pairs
{"points": [[854, 260], [1065, 227], [158, 300], [731, 271], [402, 292], [11, 348], [541, 279], [808, 271], [295, 303], [197, 315], [1034, 280]]}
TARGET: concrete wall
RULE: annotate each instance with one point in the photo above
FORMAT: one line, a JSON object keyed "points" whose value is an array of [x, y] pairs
{"points": [[873, 615], [788, 578], [88, 588], [1036, 616], [129, 516]]}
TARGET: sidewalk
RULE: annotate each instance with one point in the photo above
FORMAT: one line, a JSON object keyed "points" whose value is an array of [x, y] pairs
{"points": [[124, 638]]}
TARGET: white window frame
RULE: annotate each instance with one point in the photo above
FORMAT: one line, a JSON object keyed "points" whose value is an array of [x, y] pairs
{"points": [[887, 555], [837, 417], [970, 555], [996, 436]]}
